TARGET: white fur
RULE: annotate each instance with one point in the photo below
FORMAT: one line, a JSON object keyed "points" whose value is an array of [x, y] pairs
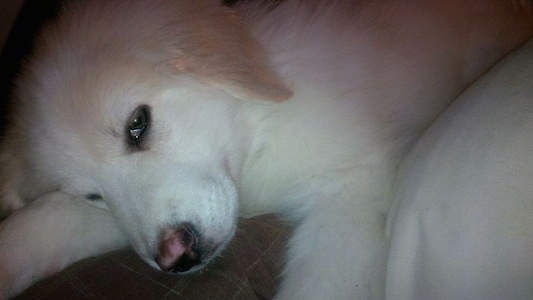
{"points": [[462, 226], [367, 78], [69, 226]]}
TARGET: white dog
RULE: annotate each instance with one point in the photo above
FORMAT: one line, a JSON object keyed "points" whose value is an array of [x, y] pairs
{"points": [[158, 122]]}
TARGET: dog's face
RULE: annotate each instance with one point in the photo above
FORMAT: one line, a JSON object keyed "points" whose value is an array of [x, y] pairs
{"points": [[161, 153], [155, 137]]}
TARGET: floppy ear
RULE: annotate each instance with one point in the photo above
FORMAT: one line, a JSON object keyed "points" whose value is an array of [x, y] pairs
{"points": [[218, 49]]}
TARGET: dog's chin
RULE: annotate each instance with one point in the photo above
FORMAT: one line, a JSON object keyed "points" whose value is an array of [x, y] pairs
{"points": [[194, 270], [198, 269]]}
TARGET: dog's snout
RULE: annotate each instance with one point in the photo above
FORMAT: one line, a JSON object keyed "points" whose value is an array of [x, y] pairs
{"points": [[178, 250]]}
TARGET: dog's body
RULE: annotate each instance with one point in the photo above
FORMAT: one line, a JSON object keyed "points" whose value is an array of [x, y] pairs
{"points": [[168, 114]]}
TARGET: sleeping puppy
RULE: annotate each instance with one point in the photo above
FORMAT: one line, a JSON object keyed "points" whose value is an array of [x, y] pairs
{"points": [[158, 123]]}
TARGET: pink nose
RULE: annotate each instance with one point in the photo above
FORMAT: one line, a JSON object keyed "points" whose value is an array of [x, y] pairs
{"points": [[177, 251]]}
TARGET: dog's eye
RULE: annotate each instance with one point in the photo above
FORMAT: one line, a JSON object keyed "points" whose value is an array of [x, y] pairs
{"points": [[138, 124], [93, 197]]}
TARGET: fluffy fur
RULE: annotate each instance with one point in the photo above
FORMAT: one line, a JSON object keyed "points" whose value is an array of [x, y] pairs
{"points": [[462, 216], [303, 108]]}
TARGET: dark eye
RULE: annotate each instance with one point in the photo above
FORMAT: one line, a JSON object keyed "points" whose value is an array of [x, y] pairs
{"points": [[138, 125], [93, 197]]}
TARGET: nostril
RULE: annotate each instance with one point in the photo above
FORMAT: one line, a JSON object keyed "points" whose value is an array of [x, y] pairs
{"points": [[178, 249], [187, 236]]}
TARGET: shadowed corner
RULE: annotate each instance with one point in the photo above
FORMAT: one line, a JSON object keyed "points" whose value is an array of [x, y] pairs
{"points": [[18, 45]]}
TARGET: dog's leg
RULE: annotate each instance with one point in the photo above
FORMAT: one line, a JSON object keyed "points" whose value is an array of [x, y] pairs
{"points": [[48, 235], [337, 252]]}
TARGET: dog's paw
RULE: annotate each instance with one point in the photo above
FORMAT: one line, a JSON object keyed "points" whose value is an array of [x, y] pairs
{"points": [[15, 262], [10, 177], [49, 234], [8, 204]]}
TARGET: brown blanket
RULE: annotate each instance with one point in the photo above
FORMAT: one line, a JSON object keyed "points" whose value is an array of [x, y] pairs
{"points": [[248, 269]]}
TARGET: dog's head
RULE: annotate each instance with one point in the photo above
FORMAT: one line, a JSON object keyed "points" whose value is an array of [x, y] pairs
{"points": [[135, 106]]}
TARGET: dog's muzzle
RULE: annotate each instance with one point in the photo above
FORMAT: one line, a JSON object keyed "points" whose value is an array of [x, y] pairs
{"points": [[179, 250]]}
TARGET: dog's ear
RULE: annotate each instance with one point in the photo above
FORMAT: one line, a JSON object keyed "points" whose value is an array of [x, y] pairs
{"points": [[218, 49], [244, 77]]}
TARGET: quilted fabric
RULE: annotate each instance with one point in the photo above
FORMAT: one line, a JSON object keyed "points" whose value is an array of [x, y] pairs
{"points": [[249, 268]]}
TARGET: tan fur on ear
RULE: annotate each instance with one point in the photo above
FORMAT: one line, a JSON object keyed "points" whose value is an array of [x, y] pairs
{"points": [[218, 49]]}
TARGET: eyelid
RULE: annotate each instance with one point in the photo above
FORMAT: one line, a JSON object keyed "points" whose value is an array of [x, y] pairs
{"points": [[94, 197]]}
